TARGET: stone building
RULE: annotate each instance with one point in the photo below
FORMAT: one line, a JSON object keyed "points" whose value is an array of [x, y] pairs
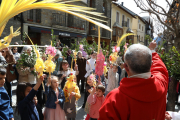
{"points": [[38, 23], [102, 6]]}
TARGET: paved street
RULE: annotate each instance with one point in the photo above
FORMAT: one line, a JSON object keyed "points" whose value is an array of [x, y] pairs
{"points": [[80, 112]]}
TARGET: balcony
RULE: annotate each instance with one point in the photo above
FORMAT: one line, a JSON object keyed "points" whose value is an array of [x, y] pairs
{"points": [[68, 21], [124, 24], [59, 19]]}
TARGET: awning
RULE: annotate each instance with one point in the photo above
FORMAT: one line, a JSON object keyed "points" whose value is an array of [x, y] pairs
{"points": [[129, 30], [56, 32], [117, 25]]}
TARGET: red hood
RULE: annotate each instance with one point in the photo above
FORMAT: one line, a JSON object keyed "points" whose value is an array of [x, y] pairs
{"points": [[146, 90]]}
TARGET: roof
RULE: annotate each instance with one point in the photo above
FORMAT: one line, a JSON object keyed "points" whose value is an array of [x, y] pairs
{"points": [[129, 30], [117, 25], [142, 19], [125, 9]]}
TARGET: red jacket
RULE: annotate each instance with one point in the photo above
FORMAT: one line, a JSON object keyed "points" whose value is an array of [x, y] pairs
{"points": [[137, 98]]}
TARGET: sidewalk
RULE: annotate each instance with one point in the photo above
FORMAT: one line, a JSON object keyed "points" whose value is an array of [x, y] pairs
{"points": [[81, 115]]}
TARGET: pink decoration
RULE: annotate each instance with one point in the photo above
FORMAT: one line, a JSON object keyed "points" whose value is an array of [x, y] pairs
{"points": [[125, 46], [116, 49], [82, 50], [51, 50], [100, 64], [81, 46], [92, 77]]}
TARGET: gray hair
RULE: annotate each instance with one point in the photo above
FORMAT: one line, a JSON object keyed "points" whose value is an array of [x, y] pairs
{"points": [[25, 48], [139, 58], [58, 53]]}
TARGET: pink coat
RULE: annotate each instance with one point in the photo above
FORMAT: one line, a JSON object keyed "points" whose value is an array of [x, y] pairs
{"points": [[95, 104]]}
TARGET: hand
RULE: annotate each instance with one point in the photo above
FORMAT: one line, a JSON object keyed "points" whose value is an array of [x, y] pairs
{"points": [[93, 91], [57, 101], [167, 116], [87, 62], [152, 45], [49, 81], [76, 67], [71, 95], [41, 79], [35, 100], [64, 75], [11, 118], [44, 75]]}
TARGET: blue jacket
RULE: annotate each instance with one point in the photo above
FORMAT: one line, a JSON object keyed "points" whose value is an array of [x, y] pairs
{"points": [[51, 97], [27, 108], [6, 111]]}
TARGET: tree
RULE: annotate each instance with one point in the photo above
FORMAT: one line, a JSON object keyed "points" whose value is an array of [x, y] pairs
{"points": [[169, 18]]}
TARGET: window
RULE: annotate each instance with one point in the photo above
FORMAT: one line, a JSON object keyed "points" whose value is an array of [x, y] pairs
{"points": [[139, 26], [38, 15], [30, 15], [128, 22], [142, 28], [117, 17], [123, 18]]}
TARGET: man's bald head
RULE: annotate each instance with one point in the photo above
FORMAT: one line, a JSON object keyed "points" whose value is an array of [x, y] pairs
{"points": [[138, 58]]}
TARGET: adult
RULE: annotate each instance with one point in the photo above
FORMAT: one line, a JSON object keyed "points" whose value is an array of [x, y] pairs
{"points": [[19, 48], [141, 96], [90, 66], [57, 59], [10, 74], [16, 56], [81, 62]]}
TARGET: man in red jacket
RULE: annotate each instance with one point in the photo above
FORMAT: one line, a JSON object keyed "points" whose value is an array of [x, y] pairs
{"points": [[141, 96]]}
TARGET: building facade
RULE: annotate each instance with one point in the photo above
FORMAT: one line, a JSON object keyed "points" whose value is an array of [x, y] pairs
{"points": [[138, 26], [102, 6], [38, 23], [121, 22]]}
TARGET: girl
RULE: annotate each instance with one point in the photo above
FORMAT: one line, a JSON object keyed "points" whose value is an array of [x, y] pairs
{"points": [[25, 95], [90, 66], [89, 88], [55, 100], [70, 102], [65, 71], [96, 99]]}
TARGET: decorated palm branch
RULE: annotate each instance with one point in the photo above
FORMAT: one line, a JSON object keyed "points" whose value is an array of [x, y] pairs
{"points": [[116, 48], [11, 8]]}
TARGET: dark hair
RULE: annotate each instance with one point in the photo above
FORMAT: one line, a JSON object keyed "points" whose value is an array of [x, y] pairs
{"points": [[101, 87], [3, 71], [64, 61], [86, 80], [20, 92], [93, 52]]}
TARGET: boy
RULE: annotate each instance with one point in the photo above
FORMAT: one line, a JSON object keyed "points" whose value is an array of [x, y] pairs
{"points": [[113, 78], [96, 100], [6, 111]]}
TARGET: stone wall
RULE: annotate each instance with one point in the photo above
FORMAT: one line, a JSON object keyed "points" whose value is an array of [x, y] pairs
{"points": [[16, 24]]}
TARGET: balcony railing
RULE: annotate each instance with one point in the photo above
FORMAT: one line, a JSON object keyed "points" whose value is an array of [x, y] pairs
{"points": [[71, 22], [59, 19], [124, 23]]}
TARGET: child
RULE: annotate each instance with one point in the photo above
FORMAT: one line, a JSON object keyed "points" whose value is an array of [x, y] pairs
{"points": [[70, 102], [89, 88], [55, 100], [96, 100], [25, 95], [64, 72], [113, 78], [6, 111]]}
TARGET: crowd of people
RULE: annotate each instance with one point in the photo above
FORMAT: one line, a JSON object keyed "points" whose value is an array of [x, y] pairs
{"points": [[134, 87]]}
